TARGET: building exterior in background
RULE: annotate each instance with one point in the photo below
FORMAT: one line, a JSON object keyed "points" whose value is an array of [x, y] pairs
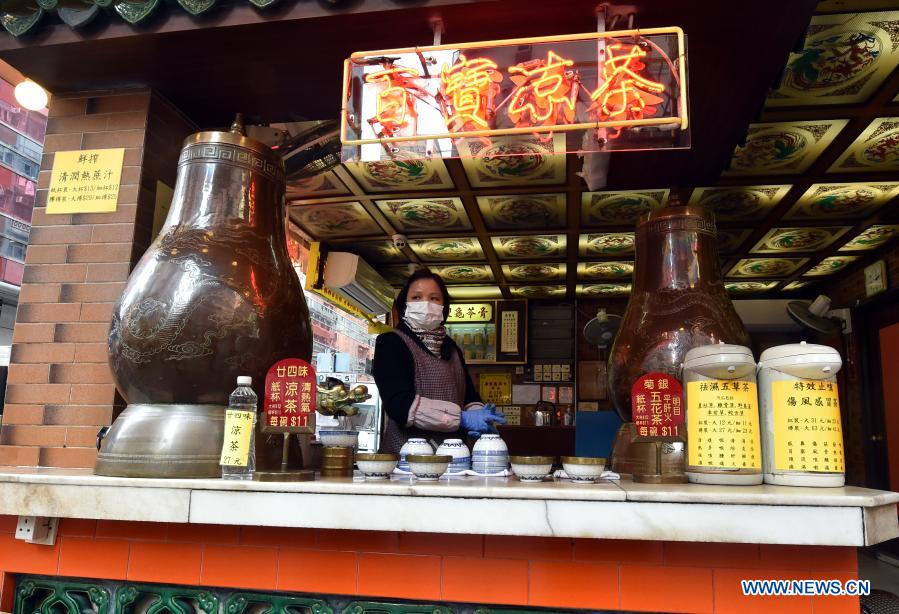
{"points": [[21, 145]]}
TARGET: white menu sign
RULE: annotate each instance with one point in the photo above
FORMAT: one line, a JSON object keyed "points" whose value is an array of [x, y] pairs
{"points": [[509, 341]]}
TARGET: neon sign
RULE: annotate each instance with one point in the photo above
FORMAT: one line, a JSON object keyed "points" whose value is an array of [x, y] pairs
{"points": [[608, 83]]}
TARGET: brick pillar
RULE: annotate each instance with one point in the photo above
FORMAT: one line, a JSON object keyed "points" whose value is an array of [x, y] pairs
{"points": [[59, 390]]}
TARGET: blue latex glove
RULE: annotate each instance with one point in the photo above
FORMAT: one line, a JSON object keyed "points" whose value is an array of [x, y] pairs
{"points": [[481, 420]]}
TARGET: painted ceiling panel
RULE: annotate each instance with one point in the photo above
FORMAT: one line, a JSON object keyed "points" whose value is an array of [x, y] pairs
{"points": [[473, 292], [831, 265], [844, 60], [538, 291], [766, 267], [464, 273], [875, 149], [401, 175], [608, 245], [605, 270], [426, 215], [532, 246], [447, 249], [786, 240], [534, 272], [872, 238], [842, 200], [783, 148], [740, 203], [749, 287], [602, 290], [523, 211], [335, 220], [619, 208], [507, 162]]}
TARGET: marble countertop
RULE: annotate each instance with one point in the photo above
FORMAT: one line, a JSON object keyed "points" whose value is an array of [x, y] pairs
{"points": [[503, 506]]}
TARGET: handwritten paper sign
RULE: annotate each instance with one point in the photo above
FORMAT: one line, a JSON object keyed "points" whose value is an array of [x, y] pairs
{"points": [[238, 430], [657, 407], [808, 431], [85, 181], [723, 423], [289, 400]]}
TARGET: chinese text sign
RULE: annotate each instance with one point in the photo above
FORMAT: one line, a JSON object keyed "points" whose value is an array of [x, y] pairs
{"points": [[85, 181]]}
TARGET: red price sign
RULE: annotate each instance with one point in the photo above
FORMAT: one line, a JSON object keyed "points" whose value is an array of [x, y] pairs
{"points": [[289, 401], [657, 407]]}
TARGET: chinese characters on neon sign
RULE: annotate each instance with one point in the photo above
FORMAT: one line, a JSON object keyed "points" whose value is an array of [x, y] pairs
{"points": [[614, 80]]}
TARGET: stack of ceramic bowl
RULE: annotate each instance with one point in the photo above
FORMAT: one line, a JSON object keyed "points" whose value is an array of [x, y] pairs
{"points": [[460, 453], [490, 454], [415, 445]]}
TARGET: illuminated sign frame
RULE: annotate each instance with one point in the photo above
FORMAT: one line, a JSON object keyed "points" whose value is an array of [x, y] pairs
{"points": [[680, 120]]}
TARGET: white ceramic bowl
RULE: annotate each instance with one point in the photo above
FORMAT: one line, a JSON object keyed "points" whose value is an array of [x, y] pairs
{"points": [[428, 467], [344, 439], [583, 469], [415, 445], [376, 466], [455, 448], [489, 444], [532, 468]]}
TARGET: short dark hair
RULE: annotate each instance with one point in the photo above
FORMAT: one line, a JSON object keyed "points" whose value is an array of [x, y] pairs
{"points": [[400, 302]]}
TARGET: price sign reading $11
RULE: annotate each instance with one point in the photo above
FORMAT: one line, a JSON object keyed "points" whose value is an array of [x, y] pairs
{"points": [[289, 399], [657, 407]]}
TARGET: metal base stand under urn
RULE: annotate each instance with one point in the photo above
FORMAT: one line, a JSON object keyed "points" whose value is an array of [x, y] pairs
{"points": [[285, 474], [165, 441], [651, 462]]}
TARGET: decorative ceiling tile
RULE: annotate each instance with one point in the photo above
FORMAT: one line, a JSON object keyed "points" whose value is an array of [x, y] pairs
{"points": [[374, 251], [608, 244], [325, 184], [875, 149], [785, 240], [534, 272], [796, 285], [411, 215], [872, 238], [605, 270], [532, 246], [464, 273], [602, 290], [783, 148], [619, 208], [538, 291], [524, 211], [730, 240], [513, 161], [447, 250], [474, 292], [766, 267], [735, 204], [324, 222], [401, 175], [831, 265], [844, 60], [395, 274], [749, 287], [824, 201]]}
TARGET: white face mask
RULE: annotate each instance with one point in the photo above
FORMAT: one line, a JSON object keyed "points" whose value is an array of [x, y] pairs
{"points": [[424, 315]]}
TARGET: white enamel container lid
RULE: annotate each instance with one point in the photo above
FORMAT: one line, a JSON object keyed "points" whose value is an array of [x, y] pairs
{"points": [[807, 360]]}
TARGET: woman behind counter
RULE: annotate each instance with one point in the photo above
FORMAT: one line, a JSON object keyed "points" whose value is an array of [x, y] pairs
{"points": [[424, 384]]}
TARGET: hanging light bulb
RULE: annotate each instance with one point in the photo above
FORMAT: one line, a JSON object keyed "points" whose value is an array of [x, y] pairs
{"points": [[31, 95]]}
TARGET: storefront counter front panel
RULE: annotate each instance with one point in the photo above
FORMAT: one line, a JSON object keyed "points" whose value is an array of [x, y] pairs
{"points": [[765, 514], [425, 546]]}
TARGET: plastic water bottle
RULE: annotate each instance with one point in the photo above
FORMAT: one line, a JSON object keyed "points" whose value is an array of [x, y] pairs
{"points": [[242, 401]]}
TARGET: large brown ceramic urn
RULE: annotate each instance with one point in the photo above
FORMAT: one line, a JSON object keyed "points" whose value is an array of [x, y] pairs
{"points": [[678, 300], [215, 296]]}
